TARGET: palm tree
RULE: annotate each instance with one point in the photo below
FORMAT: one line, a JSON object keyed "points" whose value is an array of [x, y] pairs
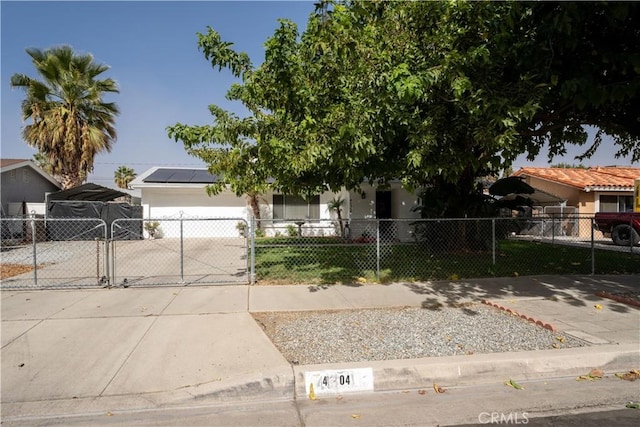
{"points": [[70, 122], [42, 162], [336, 205], [123, 176]]}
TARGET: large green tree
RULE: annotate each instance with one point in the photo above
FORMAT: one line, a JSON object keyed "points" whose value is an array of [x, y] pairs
{"points": [[436, 94], [69, 121]]}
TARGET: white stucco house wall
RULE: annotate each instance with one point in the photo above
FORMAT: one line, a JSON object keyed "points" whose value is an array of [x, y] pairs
{"points": [[170, 194]]}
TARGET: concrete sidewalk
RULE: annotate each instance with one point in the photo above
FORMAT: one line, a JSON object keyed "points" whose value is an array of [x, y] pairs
{"points": [[100, 350]]}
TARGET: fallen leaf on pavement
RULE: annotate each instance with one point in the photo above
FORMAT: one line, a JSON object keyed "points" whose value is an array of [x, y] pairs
{"points": [[633, 405], [629, 376], [312, 393], [594, 374], [422, 392], [561, 339], [438, 389], [356, 416], [598, 306], [512, 383]]}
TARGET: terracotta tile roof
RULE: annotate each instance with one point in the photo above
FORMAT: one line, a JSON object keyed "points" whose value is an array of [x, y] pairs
{"points": [[593, 178]]}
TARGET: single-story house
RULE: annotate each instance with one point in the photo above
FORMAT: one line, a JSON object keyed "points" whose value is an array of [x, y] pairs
{"points": [[24, 187], [171, 193], [586, 190], [589, 190]]}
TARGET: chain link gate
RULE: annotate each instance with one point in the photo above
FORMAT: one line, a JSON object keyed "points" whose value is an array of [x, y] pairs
{"points": [[42, 253], [169, 251]]}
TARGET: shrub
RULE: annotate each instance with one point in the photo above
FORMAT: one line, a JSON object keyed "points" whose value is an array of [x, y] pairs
{"points": [[292, 231]]}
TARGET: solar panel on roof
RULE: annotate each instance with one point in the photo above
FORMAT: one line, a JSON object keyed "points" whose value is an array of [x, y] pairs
{"points": [[203, 177], [181, 176], [193, 176], [160, 175]]}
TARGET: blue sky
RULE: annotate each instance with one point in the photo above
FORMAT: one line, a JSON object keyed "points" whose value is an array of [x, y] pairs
{"points": [[151, 47]]}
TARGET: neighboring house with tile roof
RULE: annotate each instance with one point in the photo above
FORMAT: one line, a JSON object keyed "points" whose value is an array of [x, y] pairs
{"points": [[590, 190], [24, 186]]}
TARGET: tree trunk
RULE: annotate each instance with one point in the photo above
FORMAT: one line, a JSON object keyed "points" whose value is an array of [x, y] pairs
{"points": [[339, 214], [255, 209], [69, 180]]}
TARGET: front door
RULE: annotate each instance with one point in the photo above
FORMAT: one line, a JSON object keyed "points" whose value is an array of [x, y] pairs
{"points": [[383, 204], [383, 212]]}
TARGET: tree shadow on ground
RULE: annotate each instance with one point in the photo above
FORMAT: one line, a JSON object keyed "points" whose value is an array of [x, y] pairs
{"points": [[578, 291]]}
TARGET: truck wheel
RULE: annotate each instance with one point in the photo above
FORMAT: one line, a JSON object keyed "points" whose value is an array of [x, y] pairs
{"points": [[624, 235]]}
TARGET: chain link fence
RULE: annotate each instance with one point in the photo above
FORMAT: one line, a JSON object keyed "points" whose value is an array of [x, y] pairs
{"points": [[435, 249], [74, 252], [179, 251], [53, 253]]}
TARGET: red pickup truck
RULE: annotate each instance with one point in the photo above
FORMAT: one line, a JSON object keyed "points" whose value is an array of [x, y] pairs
{"points": [[622, 227]]}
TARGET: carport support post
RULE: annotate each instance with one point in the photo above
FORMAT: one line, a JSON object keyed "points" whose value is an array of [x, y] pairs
{"points": [[33, 240]]}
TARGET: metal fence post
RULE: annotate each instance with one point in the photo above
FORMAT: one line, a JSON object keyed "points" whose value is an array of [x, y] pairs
{"points": [[553, 229], [631, 234], [33, 240], [107, 263], [181, 249], [112, 281], [593, 250], [97, 260], [378, 250], [493, 239], [252, 256]]}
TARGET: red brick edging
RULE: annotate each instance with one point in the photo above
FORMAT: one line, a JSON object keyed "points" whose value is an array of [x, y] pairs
{"points": [[603, 294], [545, 325]]}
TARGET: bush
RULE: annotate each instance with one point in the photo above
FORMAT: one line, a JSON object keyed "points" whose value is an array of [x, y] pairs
{"points": [[292, 231]]}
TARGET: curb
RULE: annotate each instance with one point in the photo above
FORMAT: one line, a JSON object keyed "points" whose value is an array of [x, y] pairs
{"points": [[540, 323], [458, 371], [263, 386]]}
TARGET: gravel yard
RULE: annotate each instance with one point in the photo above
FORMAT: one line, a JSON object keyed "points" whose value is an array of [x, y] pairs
{"points": [[313, 337]]}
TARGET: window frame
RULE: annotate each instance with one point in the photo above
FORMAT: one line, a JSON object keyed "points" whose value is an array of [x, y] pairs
{"points": [[280, 211]]}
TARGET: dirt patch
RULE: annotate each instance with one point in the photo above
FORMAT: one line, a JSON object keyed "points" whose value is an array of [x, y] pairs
{"points": [[10, 270]]}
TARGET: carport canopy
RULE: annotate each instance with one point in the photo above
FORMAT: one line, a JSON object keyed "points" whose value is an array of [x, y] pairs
{"points": [[87, 192], [539, 197]]}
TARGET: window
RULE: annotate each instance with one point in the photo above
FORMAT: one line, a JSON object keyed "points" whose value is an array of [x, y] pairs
{"points": [[616, 203], [295, 207]]}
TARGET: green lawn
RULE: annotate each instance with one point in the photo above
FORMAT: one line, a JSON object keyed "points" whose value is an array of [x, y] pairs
{"points": [[325, 263]]}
